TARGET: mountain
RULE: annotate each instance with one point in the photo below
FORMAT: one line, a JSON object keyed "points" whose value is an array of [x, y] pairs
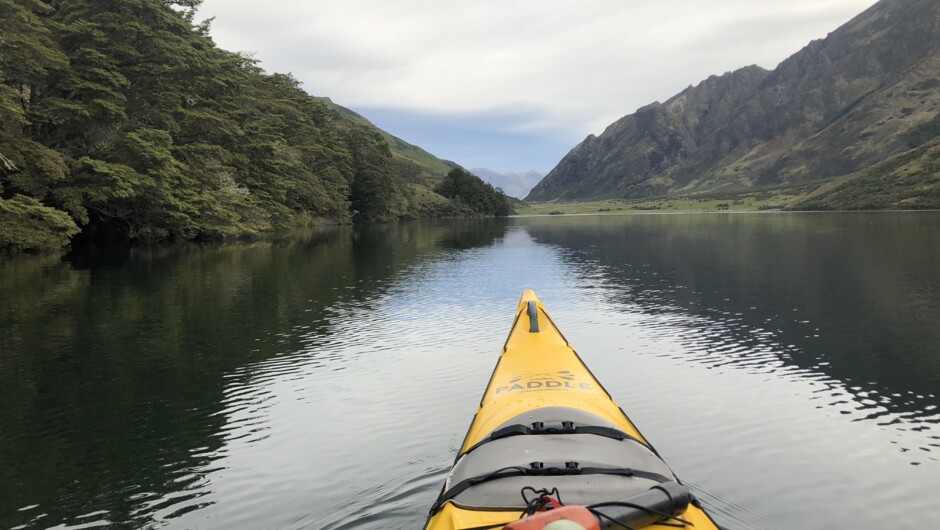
{"points": [[513, 184], [113, 131], [834, 110], [417, 164]]}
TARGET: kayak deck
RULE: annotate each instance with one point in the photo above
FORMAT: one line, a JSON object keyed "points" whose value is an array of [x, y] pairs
{"points": [[545, 421]]}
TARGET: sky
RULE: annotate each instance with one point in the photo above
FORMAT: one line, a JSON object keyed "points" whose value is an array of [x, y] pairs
{"points": [[513, 85]]}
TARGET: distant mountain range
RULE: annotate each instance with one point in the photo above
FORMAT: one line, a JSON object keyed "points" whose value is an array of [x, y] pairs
{"points": [[852, 119], [515, 185]]}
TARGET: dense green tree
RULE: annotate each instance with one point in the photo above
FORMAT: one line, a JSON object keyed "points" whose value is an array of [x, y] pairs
{"points": [[27, 54], [122, 118], [376, 193], [25, 224], [470, 191]]}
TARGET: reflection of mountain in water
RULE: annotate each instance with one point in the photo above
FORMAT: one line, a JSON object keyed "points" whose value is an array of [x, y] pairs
{"points": [[855, 297], [118, 375]]}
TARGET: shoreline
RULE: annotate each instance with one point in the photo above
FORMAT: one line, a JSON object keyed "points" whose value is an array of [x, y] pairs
{"points": [[325, 227], [712, 212]]}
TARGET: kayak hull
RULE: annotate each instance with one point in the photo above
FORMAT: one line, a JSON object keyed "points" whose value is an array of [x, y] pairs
{"points": [[537, 371]]}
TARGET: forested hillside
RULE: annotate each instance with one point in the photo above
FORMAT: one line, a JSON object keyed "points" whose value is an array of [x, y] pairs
{"points": [[474, 195], [120, 120]]}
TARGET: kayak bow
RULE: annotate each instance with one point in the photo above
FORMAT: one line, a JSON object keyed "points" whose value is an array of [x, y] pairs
{"points": [[547, 431]]}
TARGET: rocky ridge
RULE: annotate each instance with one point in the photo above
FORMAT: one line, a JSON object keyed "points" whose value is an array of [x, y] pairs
{"points": [[868, 91]]}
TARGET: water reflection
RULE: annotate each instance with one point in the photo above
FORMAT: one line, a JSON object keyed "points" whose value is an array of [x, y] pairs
{"points": [[123, 378], [850, 301], [325, 381]]}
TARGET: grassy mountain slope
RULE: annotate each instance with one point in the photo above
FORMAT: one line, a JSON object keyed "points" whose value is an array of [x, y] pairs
{"points": [[908, 181], [868, 91], [420, 166]]}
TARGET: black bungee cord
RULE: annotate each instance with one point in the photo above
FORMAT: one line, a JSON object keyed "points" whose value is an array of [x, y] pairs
{"points": [[594, 509], [538, 502]]}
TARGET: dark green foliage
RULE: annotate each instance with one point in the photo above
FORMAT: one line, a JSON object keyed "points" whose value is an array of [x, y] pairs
{"points": [[124, 116], [27, 225], [27, 53], [376, 193], [470, 191], [29, 167]]}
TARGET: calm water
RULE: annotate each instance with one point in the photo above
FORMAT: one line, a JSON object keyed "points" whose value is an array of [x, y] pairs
{"points": [[787, 366]]}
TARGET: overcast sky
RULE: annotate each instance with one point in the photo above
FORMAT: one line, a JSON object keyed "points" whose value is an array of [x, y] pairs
{"points": [[513, 84]]}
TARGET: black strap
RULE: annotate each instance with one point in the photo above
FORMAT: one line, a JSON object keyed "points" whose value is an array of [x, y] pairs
{"points": [[533, 312], [566, 427], [538, 469]]}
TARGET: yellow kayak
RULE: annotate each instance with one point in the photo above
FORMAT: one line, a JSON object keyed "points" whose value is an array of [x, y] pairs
{"points": [[549, 448]]}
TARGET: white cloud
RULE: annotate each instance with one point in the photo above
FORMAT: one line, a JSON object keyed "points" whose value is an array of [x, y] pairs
{"points": [[573, 65]]}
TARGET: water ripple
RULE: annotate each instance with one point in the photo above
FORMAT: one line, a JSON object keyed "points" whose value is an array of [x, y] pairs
{"points": [[328, 383]]}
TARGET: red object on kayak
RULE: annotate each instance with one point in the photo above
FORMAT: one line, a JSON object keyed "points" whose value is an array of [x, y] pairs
{"points": [[575, 514]]}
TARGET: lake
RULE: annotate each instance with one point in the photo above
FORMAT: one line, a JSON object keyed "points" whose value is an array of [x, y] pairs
{"points": [[786, 365]]}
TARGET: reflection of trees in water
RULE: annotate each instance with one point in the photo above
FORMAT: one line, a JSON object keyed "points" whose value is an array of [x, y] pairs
{"points": [[853, 296], [114, 369]]}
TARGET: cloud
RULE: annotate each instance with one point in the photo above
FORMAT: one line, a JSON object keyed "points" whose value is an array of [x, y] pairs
{"points": [[564, 65]]}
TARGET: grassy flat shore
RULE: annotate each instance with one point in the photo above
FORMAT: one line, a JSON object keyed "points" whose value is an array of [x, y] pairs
{"points": [[758, 201]]}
